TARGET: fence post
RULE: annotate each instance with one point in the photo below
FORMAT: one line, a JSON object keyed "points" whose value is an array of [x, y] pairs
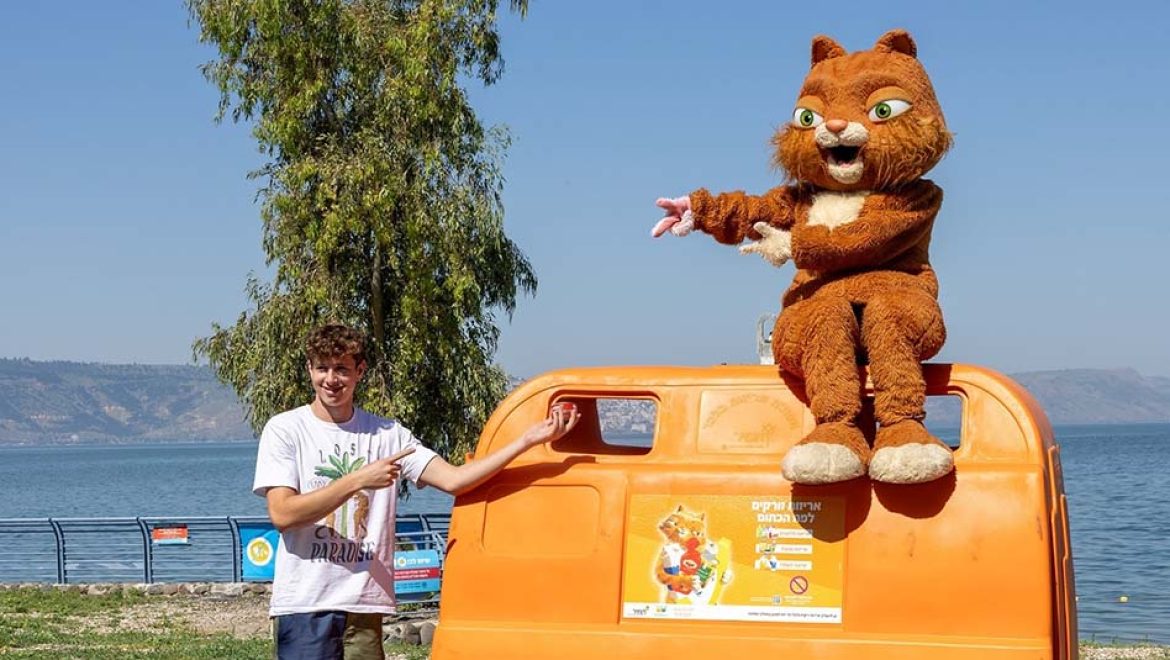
{"points": [[61, 577], [147, 555], [237, 550]]}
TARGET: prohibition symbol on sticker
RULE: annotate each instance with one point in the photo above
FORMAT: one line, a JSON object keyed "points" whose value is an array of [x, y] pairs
{"points": [[798, 584]]}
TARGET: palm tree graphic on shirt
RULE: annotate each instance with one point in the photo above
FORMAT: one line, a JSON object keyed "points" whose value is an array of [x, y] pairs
{"points": [[336, 469]]}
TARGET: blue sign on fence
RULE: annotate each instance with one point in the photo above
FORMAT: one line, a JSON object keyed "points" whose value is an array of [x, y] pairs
{"points": [[258, 545], [416, 571]]}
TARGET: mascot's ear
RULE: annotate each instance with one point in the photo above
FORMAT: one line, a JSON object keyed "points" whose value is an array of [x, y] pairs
{"points": [[824, 48], [896, 41]]}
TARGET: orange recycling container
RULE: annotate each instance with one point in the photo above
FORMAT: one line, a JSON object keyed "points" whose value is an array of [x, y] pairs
{"points": [[688, 543]]}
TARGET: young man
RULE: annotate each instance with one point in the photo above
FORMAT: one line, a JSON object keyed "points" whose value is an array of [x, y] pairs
{"points": [[329, 473]]}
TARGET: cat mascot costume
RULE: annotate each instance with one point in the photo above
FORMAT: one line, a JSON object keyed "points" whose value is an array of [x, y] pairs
{"points": [[855, 219]]}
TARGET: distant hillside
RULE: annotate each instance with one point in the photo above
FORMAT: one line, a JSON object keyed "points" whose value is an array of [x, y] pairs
{"points": [[1099, 396], [65, 402], [1082, 396], [55, 402]]}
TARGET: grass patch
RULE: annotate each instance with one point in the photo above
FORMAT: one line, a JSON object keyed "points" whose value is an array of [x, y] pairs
{"points": [[46, 624], [408, 651], [63, 602], [49, 623]]}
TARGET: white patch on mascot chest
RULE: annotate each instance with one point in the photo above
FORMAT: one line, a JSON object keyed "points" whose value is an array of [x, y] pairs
{"points": [[834, 209]]}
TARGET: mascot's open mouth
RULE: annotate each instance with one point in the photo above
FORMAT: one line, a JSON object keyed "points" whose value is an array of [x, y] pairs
{"points": [[844, 163], [843, 155]]}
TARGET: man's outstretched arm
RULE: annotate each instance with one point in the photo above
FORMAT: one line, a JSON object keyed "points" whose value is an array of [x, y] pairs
{"points": [[462, 478]]}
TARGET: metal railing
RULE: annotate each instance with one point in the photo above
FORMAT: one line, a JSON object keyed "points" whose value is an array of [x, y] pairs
{"points": [[151, 549]]}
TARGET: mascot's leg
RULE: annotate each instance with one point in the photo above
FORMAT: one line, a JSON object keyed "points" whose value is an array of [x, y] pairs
{"points": [[899, 330], [817, 340]]}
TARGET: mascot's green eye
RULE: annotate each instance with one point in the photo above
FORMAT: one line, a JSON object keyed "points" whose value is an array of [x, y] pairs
{"points": [[888, 109], [806, 118]]}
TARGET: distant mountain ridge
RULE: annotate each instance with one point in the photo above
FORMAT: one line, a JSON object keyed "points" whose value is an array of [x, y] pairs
{"points": [[1099, 396], [1081, 396], [56, 402], [71, 402]]}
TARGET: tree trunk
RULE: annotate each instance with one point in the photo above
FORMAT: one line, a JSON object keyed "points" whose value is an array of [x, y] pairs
{"points": [[377, 322]]}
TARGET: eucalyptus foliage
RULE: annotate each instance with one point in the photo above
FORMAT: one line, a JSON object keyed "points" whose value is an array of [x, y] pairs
{"points": [[380, 202]]}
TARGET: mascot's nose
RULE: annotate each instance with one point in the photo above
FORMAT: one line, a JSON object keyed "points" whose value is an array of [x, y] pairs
{"points": [[836, 125]]}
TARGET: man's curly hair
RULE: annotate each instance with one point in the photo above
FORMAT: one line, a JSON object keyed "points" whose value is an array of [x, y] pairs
{"points": [[335, 341]]}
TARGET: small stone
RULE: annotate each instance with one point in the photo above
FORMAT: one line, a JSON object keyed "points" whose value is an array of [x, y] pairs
{"points": [[154, 589], [408, 633], [101, 589], [426, 633], [233, 589], [170, 589], [201, 589]]}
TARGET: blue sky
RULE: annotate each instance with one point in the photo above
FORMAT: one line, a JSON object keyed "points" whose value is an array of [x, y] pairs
{"points": [[127, 225]]}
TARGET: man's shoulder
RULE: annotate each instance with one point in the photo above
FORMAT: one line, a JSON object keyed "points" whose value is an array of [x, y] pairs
{"points": [[286, 419], [290, 414], [371, 423]]}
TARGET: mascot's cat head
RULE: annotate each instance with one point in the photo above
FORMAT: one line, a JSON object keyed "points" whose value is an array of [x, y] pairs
{"points": [[864, 121], [683, 526]]}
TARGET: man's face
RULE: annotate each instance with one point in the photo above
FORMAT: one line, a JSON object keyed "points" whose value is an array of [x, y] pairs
{"points": [[334, 380]]}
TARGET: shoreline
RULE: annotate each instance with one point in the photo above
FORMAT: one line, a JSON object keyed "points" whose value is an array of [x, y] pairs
{"points": [[196, 442]]}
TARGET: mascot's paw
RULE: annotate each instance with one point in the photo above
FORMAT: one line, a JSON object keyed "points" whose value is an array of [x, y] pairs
{"points": [[906, 453], [679, 219], [834, 451], [775, 245]]}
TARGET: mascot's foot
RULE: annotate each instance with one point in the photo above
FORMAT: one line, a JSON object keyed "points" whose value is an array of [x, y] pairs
{"points": [[906, 453], [834, 451]]}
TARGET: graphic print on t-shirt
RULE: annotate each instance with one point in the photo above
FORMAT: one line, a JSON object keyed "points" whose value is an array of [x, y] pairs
{"points": [[339, 520]]}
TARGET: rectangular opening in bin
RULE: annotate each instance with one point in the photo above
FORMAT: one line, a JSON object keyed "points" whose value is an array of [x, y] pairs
{"points": [[944, 417], [611, 425]]}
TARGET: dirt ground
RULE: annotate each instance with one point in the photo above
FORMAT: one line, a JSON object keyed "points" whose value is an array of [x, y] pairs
{"points": [[246, 617]]}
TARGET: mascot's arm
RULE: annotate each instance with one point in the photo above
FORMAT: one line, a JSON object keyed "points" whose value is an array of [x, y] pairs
{"points": [[729, 217], [889, 224]]}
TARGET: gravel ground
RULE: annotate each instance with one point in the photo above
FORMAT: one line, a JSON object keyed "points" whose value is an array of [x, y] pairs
{"points": [[1124, 652], [246, 617]]}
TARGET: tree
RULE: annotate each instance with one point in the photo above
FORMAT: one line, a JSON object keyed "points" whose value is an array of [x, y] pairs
{"points": [[380, 202]]}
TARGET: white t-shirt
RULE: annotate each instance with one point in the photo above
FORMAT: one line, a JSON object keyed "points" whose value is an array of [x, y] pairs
{"points": [[344, 561]]}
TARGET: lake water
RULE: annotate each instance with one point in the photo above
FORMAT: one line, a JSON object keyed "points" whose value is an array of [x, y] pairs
{"points": [[1115, 477]]}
